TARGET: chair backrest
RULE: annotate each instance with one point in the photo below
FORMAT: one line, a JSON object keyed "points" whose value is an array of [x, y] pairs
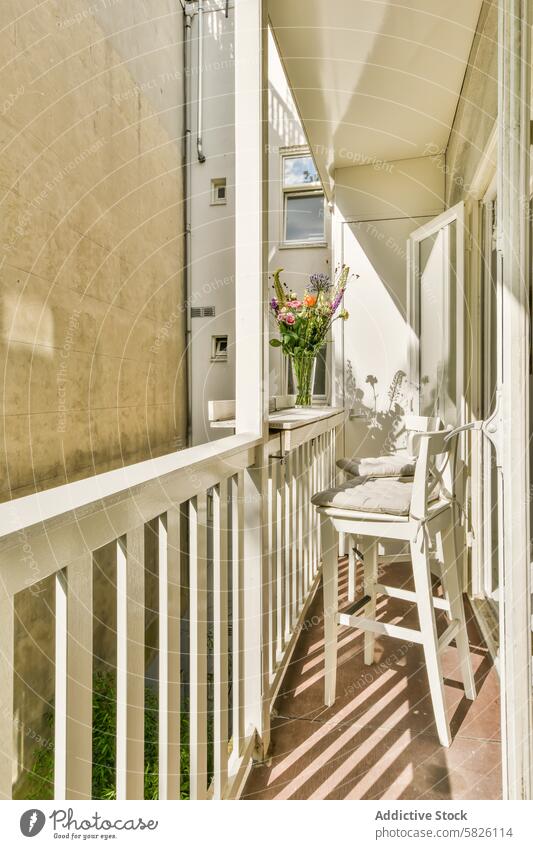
{"points": [[423, 424], [435, 467]]}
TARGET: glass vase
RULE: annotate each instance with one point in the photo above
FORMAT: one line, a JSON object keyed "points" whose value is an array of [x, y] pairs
{"points": [[303, 369]]}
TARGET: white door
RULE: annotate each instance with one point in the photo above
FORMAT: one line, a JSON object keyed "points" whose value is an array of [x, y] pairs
{"points": [[436, 316]]}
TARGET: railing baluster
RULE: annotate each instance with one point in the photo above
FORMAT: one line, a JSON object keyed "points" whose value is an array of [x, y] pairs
{"points": [[60, 701], [300, 487], [237, 565], [308, 518], [220, 617], [272, 564], [287, 546], [169, 654], [295, 498], [321, 462], [79, 678], [314, 517], [279, 494], [130, 665], [198, 645], [7, 671], [304, 554]]}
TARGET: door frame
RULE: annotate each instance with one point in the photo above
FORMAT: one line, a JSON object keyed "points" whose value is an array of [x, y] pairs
{"points": [[440, 222], [512, 425]]}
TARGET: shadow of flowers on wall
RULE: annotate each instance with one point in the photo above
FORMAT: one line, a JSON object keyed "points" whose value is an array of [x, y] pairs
{"points": [[383, 413]]}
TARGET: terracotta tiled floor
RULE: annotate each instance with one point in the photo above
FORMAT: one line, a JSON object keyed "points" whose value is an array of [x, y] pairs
{"points": [[378, 741]]}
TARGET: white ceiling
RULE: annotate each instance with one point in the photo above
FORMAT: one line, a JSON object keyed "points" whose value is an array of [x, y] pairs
{"points": [[374, 79]]}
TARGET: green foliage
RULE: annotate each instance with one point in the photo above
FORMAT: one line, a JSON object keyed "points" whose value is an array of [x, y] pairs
{"points": [[41, 783]]}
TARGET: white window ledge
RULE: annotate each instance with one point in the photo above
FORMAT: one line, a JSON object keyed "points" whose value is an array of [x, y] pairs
{"points": [[285, 246]]}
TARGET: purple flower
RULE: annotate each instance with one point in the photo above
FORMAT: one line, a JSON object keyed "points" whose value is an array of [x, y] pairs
{"points": [[319, 283], [337, 300], [274, 304]]}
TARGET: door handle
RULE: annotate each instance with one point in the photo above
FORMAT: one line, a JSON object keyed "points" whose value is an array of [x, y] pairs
{"points": [[492, 427]]}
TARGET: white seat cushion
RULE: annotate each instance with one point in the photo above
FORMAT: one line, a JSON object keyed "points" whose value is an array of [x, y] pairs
{"points": [[378, 467], [371, 495]]}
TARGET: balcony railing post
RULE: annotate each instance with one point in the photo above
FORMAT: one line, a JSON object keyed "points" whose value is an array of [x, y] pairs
{"points": [[256, 627], [7, 672], [79, 668], [169, 653], [220, 622], [130, 665], [198, 645]]}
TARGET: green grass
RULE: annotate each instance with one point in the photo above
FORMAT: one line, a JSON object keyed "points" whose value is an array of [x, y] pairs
{"points": [[40, 783]]}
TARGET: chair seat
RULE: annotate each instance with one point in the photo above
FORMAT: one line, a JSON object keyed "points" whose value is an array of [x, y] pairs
{"points": [[371, 495], [380, 467]]}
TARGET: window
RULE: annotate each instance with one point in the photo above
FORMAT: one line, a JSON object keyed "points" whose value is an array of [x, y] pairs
{"points": [[303, 200], [219, 349], [218, 191]]}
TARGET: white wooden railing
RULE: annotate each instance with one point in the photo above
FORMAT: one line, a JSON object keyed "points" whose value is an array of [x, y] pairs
{"points": [[236, 529]]}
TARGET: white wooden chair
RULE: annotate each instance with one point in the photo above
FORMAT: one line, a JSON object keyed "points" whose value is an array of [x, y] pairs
{"points": [[400, 464], [420, 511]]}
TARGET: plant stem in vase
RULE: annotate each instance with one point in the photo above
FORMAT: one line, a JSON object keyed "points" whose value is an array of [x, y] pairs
{"points": [[303, 369]]}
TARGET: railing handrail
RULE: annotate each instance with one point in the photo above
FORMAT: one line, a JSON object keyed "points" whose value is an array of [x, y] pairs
{"points": [[22, 513], [101, 508]]}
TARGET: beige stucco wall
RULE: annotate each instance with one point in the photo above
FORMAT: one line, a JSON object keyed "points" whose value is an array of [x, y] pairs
{"points": [[91, 297], [91, 281]]}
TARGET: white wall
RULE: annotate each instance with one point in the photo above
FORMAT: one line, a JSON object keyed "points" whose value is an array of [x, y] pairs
{"points": [[376, 208], [213, 227], [285, 130]]}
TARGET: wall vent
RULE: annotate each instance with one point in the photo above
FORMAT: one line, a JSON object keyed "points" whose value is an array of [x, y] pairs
{"points": [[218, 191], [202, 312]]}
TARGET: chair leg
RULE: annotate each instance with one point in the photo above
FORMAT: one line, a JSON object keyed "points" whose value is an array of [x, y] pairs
{"points": [[452, 591], [370, 556], [331, 602], [426, 614], [351, 568], [342, 544]]}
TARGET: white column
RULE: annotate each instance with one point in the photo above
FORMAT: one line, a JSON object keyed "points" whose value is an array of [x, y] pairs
{"points": [[251, 210], [513, 202]]}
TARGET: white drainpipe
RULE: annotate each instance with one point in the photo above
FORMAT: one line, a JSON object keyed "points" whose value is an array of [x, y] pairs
{"points": [[189, 13], [199, 125]]}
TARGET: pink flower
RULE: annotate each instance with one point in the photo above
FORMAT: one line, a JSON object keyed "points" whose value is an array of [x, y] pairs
{"points": [[288, 318], [295, 305]]}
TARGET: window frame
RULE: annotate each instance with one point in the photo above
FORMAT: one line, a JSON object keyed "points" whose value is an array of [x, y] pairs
{"points": [[301, 190]]}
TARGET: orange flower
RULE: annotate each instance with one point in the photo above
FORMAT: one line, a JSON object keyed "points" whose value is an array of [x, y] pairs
{"points": [[310, 300]]}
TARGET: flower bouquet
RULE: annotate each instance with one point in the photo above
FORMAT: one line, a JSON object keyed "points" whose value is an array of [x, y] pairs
{"points": [[304, 324]]}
